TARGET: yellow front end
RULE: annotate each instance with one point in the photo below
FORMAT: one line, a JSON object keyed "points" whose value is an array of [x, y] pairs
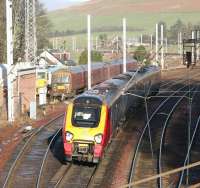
{"points": [[41, 83], [86, 143]]}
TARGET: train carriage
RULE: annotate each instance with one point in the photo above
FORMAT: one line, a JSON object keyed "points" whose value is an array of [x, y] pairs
{"points": [[93, 116], [71, 80]]}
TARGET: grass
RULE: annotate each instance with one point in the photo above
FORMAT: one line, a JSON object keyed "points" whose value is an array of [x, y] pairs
{"points": [[63, 20], [66, 19]]}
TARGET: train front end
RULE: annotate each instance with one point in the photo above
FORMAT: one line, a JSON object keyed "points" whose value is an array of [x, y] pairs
{"points": [[86, 130], [61, 84], [41, 80]]}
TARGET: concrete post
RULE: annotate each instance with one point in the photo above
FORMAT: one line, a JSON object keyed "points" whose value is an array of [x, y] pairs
{"points": [[141, 39], [124, 45], [156, 42], [162, 49], [9, 30], [89, 51], [193, 37]]}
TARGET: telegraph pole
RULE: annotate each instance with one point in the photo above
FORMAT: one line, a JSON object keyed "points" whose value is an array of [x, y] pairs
{"points": [[166, 45], [162, 49], [89, 51], [124, 45], [180, 35], [197, 46], [180, 43], [193, 51], [157, 42], [141, 39], [9, 30]]}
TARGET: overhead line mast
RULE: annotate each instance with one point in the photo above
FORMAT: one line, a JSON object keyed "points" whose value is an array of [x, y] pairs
{"points": [[9, 31], [30, 31]]}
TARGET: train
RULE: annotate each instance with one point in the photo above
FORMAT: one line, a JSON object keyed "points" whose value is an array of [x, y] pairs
{"points": [[93, 117], [70, 81]]}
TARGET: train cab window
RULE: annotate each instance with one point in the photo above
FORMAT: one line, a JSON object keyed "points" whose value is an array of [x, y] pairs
{"points": [[41, 75], [61, 80], [64, 79], [85, 116]]}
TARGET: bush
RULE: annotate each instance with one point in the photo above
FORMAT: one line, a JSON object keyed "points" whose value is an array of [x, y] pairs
{"points": [[140, 53], [95, 56]]}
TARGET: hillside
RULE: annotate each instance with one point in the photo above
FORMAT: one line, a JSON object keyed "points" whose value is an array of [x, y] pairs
{"points": [[108, 7], [140, 14]]}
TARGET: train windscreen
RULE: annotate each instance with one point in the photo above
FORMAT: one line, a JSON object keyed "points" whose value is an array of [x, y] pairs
{"points": [[61, 80], [41, 75], [85, 116]]}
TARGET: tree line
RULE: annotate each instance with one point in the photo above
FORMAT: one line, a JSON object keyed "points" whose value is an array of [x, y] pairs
{"points": [[171, 33], [98, 29]]}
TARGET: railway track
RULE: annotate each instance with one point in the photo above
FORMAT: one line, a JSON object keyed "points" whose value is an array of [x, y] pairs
{"points": [[48, 161], [85, 175], [148, 164], [80, 174], [191, 155], [24, 171], [106, 174], [143, 162], [180, 103], [39, 164], [76, 175]]}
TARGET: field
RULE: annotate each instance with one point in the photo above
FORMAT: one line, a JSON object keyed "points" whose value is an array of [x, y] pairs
{"points": [[143, 14], [142, 21]]}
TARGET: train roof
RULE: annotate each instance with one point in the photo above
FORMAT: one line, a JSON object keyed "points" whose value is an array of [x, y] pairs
{"points": [[96, 65], [108, 91], [81, 68]]}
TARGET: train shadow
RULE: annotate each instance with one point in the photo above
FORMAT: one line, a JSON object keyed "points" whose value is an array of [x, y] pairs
{"points": [[56, 147]]}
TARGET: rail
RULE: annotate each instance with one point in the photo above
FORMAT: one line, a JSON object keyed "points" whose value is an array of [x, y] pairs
{"points": [[147, 126], [170, 172], [163, 134], [24, 148], [45, 157]]}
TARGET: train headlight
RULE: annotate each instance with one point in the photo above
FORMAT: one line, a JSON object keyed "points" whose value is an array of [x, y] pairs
{"points": [[98, 138], [69, 136]]}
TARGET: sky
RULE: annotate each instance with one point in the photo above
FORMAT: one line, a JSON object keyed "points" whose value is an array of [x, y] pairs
{"points": [[56, 4]]}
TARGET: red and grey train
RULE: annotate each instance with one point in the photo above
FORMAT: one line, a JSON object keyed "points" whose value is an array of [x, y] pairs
{"points": [[93, 116]]}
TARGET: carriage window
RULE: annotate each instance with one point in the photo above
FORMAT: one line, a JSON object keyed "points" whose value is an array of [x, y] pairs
{"points": [[85, 116]]}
